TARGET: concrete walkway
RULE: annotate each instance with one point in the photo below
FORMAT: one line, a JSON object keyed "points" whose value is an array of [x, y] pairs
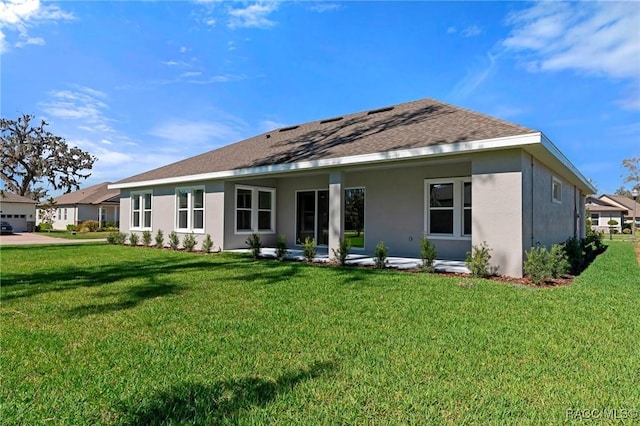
{"points": [[364, 260], [23, 238]]}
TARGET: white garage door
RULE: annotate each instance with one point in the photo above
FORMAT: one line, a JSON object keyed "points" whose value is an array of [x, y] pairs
{"points": [[18, 221]]}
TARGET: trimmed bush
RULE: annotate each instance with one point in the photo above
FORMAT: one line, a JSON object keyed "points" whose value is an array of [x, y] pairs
{"points": [[71, 228], [159, 239], [281, 247], [255, 245], [343, 251], [146, 238], [537, 266], [309, 249], [207, 243], [133, 239], [174, 240], [380, 255], [428, 254], [477, 260], [189, 242], [91, 225], [116, 238], [558, 260]]}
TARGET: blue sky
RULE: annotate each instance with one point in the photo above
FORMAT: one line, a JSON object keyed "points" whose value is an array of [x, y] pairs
{"points": [[141, 84]]}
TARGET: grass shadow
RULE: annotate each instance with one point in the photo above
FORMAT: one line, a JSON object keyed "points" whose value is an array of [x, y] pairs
{"points": [[221, 402]]}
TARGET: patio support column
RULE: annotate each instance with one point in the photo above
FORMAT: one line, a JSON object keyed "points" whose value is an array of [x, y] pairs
{"points": [[336, 209]]}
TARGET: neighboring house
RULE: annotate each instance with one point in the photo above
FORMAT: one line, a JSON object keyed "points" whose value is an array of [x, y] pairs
{"points": [[391, 174], [612, 207], [96, 202], [19, 211]]}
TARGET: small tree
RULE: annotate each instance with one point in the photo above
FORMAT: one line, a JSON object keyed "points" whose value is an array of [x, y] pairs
{"points": [[309, 249], [343, 251], [477, 260], [189, 242], [133, 239], [538, 266], [428, 254], [380, 255], [146, 238], [159, 239], [559, 262], [281, 247], [174, 240], [612, 224], [255, 245], [207, 244], [633, 172]]}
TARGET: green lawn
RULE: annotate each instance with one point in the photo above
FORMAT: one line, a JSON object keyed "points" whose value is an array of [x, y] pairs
{"points": [[77, 236], [99, 334]]}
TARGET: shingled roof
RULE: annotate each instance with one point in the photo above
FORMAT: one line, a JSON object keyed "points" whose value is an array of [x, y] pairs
{"points": [[9, 197], [417, 124], [95, 194]]}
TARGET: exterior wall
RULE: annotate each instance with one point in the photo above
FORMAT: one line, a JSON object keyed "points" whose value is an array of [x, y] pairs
{"points": [[21, 216], [498, 208], [605, 217]]}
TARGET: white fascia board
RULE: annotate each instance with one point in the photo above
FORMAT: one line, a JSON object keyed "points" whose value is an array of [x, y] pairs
{"points": [[546, 142], [378, 157]]}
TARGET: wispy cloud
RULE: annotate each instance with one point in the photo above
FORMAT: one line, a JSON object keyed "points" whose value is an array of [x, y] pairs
{"points": [[199, 77], [325, 7], [196, 133], [470, 31], [475, 77], [599, 38], [83, 103], [20, 16], [253, 16], [268, 125]]}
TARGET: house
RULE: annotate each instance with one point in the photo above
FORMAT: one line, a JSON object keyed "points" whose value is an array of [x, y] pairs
{"points": [[391, 174], [19, 211], [612, 207], [96, 202]]}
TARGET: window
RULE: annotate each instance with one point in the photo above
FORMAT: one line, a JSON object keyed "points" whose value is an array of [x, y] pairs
{"points": [[312, 216], [65, 213], [556, 191], [190, 209], [448, 207], [59, 214], [595, 219], [255, 209], [354, 216], [141, 210]]}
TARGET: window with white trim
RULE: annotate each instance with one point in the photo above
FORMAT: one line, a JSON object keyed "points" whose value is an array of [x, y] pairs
{"points": [[190, 209], [141, 210], [595, 219], [556, 190], [65, 213], [255, 209], [448, 210]]}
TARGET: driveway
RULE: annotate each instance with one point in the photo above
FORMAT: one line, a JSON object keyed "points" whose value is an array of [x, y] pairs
{"points": [[37, 238]]}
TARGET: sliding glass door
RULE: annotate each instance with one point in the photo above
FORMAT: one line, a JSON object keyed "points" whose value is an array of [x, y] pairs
{"points": [[312, 216]]}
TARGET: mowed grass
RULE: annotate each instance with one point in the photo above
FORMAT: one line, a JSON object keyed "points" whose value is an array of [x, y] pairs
{"points": [[98, 334], [77, 236]]}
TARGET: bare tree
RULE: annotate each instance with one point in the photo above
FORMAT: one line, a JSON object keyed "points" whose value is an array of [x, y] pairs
{"points": [[32, 156]]}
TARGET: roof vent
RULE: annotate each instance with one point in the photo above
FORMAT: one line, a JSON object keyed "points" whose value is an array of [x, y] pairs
{"points": [[268, 136], [286, 129], [375, 111], [331, 120]]}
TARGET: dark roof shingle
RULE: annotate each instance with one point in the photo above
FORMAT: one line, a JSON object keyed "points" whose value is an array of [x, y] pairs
{"points": [[95, 194], [416, 124]]}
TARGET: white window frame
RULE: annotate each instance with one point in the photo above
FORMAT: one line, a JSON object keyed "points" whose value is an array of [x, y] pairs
{"points": [[140, 195], [190, 209], [596, 217], [255, 210], [458, 207], [364, 226], [65, 213], [556, 182]]}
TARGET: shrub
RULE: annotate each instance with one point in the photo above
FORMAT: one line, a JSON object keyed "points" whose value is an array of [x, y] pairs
{"points": [[309, 249], [159, 239], [380, 255], [477, 260], [116, 238], [44, 226], [538, 266], [189, 242], [174, 240], [207, 243], [575, 255], [626, 231], [343, 251], [558, 260], [255, 244], [91, 225], [146, 238], [592, 246], [428, 254], [133, 239], [71, 228], [281, 247]]}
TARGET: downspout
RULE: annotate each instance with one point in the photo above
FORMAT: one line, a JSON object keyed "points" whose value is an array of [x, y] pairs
{"points": [[532, 212], [575, 213]]}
